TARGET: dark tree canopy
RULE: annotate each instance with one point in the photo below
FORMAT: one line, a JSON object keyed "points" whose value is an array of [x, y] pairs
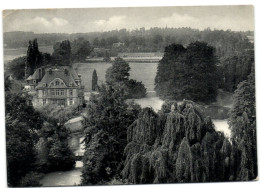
{"points": [[80, 49], [62, 53], [105, 133], [188, 73], [235, 69], [118, 73], [243, 128], [22, 125], [94, 80], [54, 153], [175, 145], [34, 59]]}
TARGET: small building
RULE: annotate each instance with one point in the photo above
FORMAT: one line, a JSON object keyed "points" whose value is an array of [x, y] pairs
{"points": [[118, 44], [59, 85]]}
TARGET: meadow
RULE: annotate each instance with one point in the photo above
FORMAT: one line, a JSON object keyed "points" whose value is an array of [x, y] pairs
{"points": [[144, 72]]}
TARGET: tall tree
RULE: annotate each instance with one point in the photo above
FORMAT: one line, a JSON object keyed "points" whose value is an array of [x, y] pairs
{"points": [[22, 126], [235, 69], [175, 145], [94, 80], [243, 128], [118, 73], [105, 133], [62, 53], [188, 73], [34, 58], [80, 49], [54, 153]]}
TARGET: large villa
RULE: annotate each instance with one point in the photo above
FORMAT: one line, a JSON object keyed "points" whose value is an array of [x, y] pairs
{"points": [[59, 85]]}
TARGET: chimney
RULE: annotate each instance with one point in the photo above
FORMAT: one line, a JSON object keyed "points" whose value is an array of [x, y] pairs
{"points": [[79, 80], [49, 71]]}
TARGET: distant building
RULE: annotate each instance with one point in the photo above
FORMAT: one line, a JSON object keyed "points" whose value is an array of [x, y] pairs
{"points": [[118, 44], [55, 85]]}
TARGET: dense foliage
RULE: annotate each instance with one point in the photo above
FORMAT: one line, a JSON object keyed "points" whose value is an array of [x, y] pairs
{"points": [[66, 52], [53, 112], [33, 145], [62, 53], [235, 69], [16, 68], [53, 149], [22, 125], [118, 73], [108, 117], [80, 49], [243, 128], [175, 145], [188, 73]]}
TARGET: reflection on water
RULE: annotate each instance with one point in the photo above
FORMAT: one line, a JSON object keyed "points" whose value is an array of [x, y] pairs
{"points": [[63, 178], [222, 126], [156, 103]]}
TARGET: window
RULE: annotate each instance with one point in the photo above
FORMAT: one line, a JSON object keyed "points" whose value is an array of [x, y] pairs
{"points": [[62, 92], [80, 100], [52, 92], [70, 84], [71, 102], [44, 92], [57, 83], [34, 81], [71, 92], [57, 92], [44, 101]]}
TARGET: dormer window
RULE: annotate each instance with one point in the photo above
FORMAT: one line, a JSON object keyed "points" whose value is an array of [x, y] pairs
{"points": [[44, 85], [70, 83]]}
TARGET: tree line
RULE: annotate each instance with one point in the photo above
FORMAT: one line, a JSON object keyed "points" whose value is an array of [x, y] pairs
{"points": [[155, 39]]}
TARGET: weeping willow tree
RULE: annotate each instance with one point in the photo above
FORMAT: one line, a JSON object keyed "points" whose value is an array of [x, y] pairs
{"points": [[243, 128], [175, 145]]}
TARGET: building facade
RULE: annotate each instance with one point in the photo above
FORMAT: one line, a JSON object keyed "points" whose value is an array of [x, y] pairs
{"points": [[59, 85]]}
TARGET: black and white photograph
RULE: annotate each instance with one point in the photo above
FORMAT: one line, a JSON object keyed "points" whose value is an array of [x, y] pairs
{"points": [[129, 95]]}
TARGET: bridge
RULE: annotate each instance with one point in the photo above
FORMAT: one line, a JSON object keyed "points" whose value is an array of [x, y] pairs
{"points": [[79, 156]]}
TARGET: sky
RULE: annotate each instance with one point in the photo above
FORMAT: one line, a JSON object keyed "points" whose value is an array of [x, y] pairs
{"points": [[235, 18]]}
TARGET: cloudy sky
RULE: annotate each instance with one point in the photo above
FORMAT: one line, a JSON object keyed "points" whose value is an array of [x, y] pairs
{"points": [[237, 18]]}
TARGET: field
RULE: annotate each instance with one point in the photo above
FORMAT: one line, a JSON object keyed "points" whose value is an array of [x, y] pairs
{"points": [[144, 72], [10, 54]]}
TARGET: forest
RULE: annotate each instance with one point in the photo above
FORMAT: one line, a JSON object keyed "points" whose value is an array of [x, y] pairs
{"points": [[155, 39]]}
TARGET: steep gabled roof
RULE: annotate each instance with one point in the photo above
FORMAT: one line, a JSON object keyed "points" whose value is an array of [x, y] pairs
{"points": [[36, 75], [64, 73]]}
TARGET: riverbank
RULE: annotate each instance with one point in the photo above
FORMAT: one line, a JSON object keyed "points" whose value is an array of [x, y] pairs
{"points": [[129, 60], [63, 178]]}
